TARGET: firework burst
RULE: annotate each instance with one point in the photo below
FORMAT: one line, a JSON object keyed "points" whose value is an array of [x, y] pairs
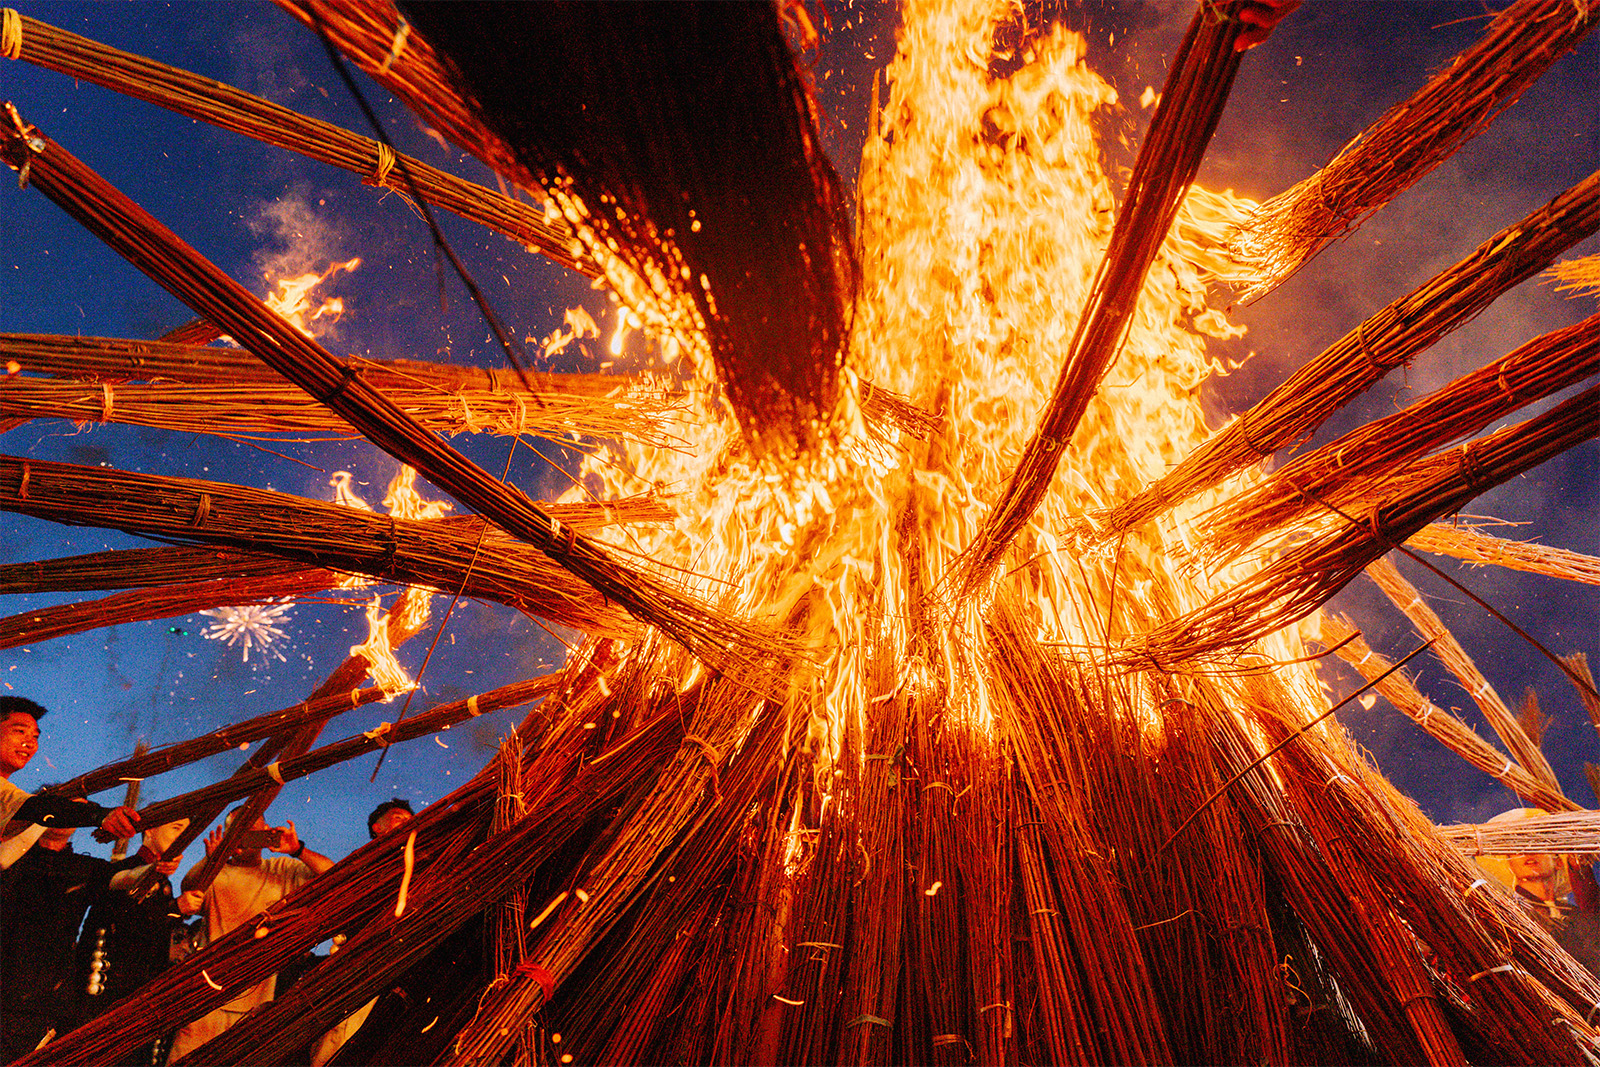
{"points": [[253, 625]]}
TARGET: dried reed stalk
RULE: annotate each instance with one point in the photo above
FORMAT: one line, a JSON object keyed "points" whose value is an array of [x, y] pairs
{"points": [[1404, 595], [1580, 276], [1449, 730], [439, 554], [724, 643], [181, 753], [686, 801], [255, 409], [1294, 584], [1467, 543], [428, 723], [1412, 875], [1389, 339], [1563, 832], [138, 568], [1538, 369], [231, 109], [730, 210], [1192, 100], [146, 567], [1411, 138], [163, 602], [114, 359]]}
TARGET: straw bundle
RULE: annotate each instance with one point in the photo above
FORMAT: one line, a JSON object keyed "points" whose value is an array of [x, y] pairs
{"points": [[1294, 584], [163, 602], [563, 793], [1467, 543], [1404, 595], [180, 753], [126, 568], [722, 642], [253, 410], [1366, 354], [1411, 138], [440, 554], [431, 722], [1567, 831], [231, 109], [1191, 103], [1329, 475], [95, 359], [1449, 730]]}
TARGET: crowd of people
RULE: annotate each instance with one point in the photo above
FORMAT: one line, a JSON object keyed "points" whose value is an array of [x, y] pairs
{"points": [[79, 933]]}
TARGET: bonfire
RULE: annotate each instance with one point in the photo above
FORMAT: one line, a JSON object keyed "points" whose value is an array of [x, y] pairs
{"points": [[936, 704]]}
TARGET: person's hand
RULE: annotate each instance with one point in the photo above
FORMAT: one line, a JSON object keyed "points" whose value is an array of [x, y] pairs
{"points": [[1259, 17], [213, 839], [169, 867], [288, 840], [123, 822]]}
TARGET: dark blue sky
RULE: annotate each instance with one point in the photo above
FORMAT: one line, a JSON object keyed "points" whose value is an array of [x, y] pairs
{"points": [[1330, 70]]}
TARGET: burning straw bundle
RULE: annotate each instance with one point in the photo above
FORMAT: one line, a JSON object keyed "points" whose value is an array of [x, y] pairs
{"points": [[1292, 586], [1392, 337], [1410, 139], [156, 250], [1332, 475], [444, 554]]}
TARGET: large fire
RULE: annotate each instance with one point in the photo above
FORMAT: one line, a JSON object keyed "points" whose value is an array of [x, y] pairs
{"points": [[984, 210]]}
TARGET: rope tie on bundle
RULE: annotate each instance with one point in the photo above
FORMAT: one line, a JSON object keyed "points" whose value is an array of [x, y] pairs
{"points": [[1378, 368], [106, 402], [1467, 892], [203, 511], [472, 706], [379, 733], [869, 1020], [275, 773], [385, 163], [11, 33], [22, 486], [1504, 968]]}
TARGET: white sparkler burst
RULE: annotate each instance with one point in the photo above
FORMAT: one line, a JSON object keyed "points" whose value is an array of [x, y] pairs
{"points": [[255, 625]]}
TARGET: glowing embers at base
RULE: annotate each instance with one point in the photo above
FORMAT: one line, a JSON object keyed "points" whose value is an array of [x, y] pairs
{"points": [[254, 626]]}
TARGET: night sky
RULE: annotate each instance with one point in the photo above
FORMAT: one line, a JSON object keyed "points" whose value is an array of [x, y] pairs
{"points": [[1330, 70]]}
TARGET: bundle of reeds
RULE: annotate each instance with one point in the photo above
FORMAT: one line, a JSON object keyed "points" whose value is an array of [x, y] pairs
{"points": [[1477, 548], [94, 359], [1443, 643], [1411, 138], [1191, 103], [208, 390], [440, 554], [1389, 339], [1333, 473], [232, 109], [1562, 832], [162, 602], [1449, 730], [726, 643], [1293, 585]]}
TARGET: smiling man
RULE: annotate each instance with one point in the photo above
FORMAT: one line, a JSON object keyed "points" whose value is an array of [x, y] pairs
{"points": [[23, 816]]}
